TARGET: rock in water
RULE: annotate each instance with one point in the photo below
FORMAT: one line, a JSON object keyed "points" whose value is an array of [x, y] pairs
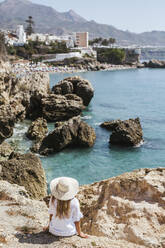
{"points": [[127, 133], [73, 132], [25, 170], [110, 125], [58, 107], [154, 63], [86, 135], [75, 85], [38, 129], [130, 207]]}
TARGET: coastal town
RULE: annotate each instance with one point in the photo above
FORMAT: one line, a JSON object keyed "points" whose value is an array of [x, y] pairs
{"points": [[75, 52]]}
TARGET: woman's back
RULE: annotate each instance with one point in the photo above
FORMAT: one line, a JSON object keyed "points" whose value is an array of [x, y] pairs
{"points": [[64, 226]]}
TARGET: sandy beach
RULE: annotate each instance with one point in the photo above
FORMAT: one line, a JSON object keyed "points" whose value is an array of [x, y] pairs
{"points": [[41, 67]]}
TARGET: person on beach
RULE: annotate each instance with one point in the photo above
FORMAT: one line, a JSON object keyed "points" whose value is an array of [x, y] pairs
{"points": [[64, 208]]}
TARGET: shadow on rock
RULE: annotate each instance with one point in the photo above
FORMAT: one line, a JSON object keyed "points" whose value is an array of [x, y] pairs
{"points": [[37, 238]]}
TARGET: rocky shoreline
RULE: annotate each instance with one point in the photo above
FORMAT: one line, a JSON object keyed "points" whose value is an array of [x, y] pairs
{"points": [[23, 67], [27, 68], [124, 211]]}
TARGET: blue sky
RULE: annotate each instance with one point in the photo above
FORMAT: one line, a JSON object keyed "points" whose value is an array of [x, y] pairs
{"points": [[133, 15]]}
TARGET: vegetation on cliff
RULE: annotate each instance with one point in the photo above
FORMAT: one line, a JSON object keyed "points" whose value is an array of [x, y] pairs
{"points": [[101, 41], [111, 55]]}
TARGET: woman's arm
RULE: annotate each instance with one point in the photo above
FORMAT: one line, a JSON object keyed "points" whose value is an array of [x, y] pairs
{"points": [[47, 227], [79, 232]]}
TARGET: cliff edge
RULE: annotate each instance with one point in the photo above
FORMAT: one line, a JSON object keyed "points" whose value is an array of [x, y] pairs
{"points": [[124, 211]]}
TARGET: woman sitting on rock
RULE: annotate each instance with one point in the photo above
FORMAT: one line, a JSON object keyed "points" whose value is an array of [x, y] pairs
{"points": [[64, 208]]}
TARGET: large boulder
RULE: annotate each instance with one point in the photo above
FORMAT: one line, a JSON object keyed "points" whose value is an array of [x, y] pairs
{"points": [[38, 129], [70, 133], [58, 107], [86, 135], [130, 207], [110, 125], [21, 92], [30, 89], [25, 170], [75, 85], [127, 133], [5, 151], [18, 110]]}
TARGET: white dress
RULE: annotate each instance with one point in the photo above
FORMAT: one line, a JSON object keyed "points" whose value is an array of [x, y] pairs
{"points": [[64, 226]]}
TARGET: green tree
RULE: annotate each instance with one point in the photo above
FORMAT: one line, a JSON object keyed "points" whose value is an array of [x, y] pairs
{"points": [[111, 55], [112, 40], [105, 42], [30, 25]]}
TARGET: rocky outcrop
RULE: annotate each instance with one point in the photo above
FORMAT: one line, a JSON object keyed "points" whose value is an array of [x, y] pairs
{"points": [[127, 133], [130, 207], [5, 151], [75, 85], [155, 64], [19, 92], [25, 170], [58, 107], [27, 218], [30, 89], [110, 125], [126, 211], [24, 214], [70, 133], [38, 129]]}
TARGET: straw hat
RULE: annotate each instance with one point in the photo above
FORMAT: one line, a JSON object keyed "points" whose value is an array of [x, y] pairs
{"points": [[64, 188]]}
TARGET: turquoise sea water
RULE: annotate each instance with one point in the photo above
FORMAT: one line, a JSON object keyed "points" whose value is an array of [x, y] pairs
{"points": [[118, 95]]}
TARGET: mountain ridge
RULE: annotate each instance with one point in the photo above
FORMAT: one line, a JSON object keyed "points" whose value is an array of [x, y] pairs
{"points": [[49, 20]]}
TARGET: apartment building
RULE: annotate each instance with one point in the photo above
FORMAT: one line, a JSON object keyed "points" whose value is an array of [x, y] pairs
{"points": [[82, 39]]}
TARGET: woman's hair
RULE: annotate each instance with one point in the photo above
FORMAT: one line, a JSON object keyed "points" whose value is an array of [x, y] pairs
{"points": [[63, 208]]}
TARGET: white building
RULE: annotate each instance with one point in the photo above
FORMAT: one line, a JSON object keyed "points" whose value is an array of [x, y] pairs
{"points": [[39, 37], [21, 34]]}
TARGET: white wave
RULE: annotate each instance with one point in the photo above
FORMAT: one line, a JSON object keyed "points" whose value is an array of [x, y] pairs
{"points": [[86, 117], [140, 144], [97, 123]]}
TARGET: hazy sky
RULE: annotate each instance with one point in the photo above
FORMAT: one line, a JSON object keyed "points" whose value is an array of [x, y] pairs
{"points": [[132, 15]]}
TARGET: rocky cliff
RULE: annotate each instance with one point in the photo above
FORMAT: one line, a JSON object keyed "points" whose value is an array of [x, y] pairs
{"points": [[130, 207], [124, 211]]}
